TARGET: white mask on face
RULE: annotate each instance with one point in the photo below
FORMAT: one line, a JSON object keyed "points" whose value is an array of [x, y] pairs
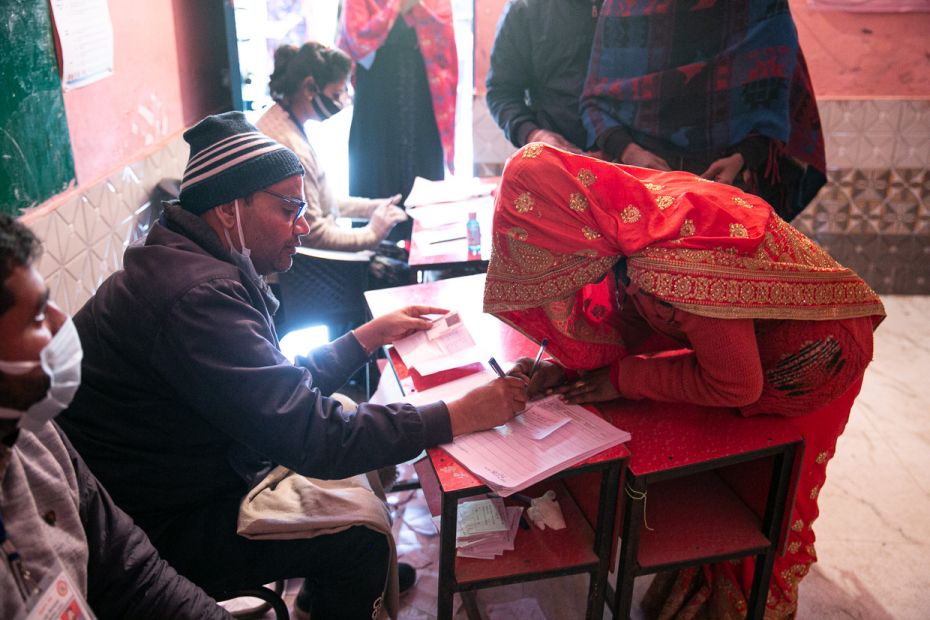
{"points": [[61, 361]]}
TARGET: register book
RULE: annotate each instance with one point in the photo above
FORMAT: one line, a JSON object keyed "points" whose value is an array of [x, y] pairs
{"points": [[546, 438]]}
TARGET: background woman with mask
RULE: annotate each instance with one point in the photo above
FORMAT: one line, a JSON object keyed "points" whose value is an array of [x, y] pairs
{"points": [[310, 83]]}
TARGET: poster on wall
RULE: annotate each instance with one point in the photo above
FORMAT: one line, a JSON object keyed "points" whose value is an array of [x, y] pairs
{"points": [[85, 38], [871, 6]]}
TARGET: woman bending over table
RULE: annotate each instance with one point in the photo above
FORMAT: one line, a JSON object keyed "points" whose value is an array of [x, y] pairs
{"points": [[603, 260]]}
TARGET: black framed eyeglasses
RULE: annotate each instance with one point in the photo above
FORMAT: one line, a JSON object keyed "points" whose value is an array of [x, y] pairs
{"points": [[294, 202]]}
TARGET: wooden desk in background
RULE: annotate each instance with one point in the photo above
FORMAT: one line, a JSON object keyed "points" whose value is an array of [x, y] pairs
{"points": [[703, 484], [438, 238]]}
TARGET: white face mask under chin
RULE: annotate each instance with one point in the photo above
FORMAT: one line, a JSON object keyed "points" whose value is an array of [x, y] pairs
{"points": [[243, 260], [61, 361], [243, 257]]}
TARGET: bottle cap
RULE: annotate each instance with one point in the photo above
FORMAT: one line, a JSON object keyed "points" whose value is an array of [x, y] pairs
{"points": [[473, 215]]}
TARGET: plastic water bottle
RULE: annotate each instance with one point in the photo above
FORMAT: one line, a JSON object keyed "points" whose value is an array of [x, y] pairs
{"points": [[473, 234]]}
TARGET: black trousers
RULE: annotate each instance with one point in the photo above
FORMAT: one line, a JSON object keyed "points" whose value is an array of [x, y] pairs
{"points": [[344, 572]]}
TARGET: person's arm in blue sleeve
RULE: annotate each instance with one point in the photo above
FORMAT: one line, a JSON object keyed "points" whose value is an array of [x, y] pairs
{"points": [[218, 354]]}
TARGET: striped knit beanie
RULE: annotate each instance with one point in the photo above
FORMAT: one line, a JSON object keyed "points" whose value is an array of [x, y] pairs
{"points": [[231, 159]]}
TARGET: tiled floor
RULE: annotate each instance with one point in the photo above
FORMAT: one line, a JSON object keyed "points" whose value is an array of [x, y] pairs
{"points": [[873, 536]]}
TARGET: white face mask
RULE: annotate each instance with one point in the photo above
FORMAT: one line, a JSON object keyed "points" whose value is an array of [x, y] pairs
{"points": [[61, 361], [243, 261], [242, 257]]}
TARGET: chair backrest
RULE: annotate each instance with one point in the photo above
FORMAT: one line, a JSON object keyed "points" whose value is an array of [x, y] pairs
{"points": [[323, 290], [271, 600]]}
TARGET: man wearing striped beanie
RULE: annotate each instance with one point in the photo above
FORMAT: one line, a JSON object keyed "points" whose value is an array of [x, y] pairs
{"points": [[187, 402]]}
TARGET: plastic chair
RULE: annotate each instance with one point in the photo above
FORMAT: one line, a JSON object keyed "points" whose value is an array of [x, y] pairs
{"points": [[271, 597], [323, 287]]}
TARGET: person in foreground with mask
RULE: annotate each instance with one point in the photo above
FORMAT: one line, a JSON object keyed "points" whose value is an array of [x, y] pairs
{"points": [[187, 401], [309, 83], [65, 544]]}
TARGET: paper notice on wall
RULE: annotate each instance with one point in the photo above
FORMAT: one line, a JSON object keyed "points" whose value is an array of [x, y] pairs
{"points": [[85, 33]]}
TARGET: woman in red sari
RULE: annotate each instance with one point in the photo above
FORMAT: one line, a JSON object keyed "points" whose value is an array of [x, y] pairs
{"points": [[601, 258]]}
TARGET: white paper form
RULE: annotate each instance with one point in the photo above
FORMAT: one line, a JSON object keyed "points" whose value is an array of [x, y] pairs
{"points": [[447, 344], [508, 459], [426, 192], [479, 517], [442, 240], [86, 35], [541, 419], [451, 390]]}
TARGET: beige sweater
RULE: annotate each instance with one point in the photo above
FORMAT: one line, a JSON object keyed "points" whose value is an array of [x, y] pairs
{"points": [[322, 205]]}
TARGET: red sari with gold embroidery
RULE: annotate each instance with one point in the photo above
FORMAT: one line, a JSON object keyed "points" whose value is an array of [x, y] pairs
{"points": [[709, 251]]}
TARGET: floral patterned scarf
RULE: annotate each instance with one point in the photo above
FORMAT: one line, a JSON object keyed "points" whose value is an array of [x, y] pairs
{"points": [[364, 26]]}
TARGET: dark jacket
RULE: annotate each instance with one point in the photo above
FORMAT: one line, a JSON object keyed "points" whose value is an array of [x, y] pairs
{"points": [[186, 398], [59, 517], [538, 67]]}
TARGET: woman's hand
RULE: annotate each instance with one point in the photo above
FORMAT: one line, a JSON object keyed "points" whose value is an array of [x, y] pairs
{"points": [[385, 215], [591, 387], [725, 169], [548, 374], [635, 155], [394, 326]]}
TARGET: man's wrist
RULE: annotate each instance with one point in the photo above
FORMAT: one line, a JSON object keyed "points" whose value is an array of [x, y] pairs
{"points": [[365, 339]]}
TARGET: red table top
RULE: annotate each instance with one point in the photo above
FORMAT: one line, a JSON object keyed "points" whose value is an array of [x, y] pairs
{"points": [[668, 436]]}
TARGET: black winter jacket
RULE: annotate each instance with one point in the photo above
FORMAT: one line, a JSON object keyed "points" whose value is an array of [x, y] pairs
{"points": [[186, 398], [538, 66]]}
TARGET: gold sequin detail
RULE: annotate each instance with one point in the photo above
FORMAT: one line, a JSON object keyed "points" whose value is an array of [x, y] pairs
{"points": [[793, 547], [742, 202], [687, 228], [664, 202], [798, 525], [815, 491], [524, 203], [532, 150], [586, 177], [630, 215], [738, 230], [519, 234], [578, 202], [589, 233], [821, 458], [653, 187]]}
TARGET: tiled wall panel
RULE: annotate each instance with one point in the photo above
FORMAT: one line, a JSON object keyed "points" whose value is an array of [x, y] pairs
{"points": [[85, 236]]}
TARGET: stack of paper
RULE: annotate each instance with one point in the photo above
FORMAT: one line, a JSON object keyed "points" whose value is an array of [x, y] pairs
{"points": [[548, 437], [425, 192], [486, 528], [447, 344]]}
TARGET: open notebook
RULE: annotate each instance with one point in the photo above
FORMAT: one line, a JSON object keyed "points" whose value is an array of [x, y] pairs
{"points": [[548, 437]]}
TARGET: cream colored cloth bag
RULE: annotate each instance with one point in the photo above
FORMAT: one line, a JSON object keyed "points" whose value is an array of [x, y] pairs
{"points": [[286, 506]]}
